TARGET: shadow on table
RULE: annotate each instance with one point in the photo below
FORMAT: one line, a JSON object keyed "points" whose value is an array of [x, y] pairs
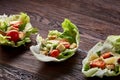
{"points": [[8, 54], [59, 70]]}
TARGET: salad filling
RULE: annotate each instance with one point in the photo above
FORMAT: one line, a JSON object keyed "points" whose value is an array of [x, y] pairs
{"points": [[15, 30], [58, 46], [103, 59], [55, 46]]}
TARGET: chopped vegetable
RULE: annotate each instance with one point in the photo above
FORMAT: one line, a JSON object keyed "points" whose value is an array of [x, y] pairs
{"points": [[98, 53], [97, 63], [54, 53], [106, 55], [13, 35], [87, 67], [117, 69]]}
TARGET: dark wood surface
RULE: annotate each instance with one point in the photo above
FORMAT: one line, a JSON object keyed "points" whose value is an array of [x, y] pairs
{"points": [[96, 19]]}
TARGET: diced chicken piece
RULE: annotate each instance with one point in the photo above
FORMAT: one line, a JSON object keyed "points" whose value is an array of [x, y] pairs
{"points": [[93, 56], [60, 47], [110, 66], [43, 42], [44, 52], [21, 35], [73, 45], [45, 48], [111, 60]]}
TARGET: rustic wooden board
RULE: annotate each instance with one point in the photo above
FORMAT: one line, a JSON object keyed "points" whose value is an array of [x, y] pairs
{"points": [[96, 19]]}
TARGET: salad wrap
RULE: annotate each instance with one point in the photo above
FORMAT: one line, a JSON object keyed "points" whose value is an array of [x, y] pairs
{"points": [[103, 59], [58, 46], [15, 30]]}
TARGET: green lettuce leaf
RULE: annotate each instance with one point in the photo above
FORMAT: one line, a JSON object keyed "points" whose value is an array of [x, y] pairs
{"points": [[4, 41], [66, 54], [24, 18], [3, 26], [22, 42], [116, 45], [70, 32], [114, 40], [54, 32]]}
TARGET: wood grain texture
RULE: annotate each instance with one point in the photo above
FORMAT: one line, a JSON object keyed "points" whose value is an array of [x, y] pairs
{"points": [[10, 73], [95, 19]]}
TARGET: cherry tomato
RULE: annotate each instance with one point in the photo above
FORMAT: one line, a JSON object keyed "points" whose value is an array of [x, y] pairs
{"points": [[54, 53], [14, 35], [66, 44], [98, 63], [106, 55]]}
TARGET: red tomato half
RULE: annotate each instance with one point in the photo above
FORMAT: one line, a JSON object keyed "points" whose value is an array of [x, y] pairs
{"points": [[54, 53], [14, 35]]}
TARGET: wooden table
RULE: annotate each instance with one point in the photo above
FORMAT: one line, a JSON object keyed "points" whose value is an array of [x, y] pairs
{"points": [[96, 19]]}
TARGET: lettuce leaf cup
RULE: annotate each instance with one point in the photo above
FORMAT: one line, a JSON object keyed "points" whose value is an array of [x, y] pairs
{"points": [[103, 59], [58, 46], [15, 30]]}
